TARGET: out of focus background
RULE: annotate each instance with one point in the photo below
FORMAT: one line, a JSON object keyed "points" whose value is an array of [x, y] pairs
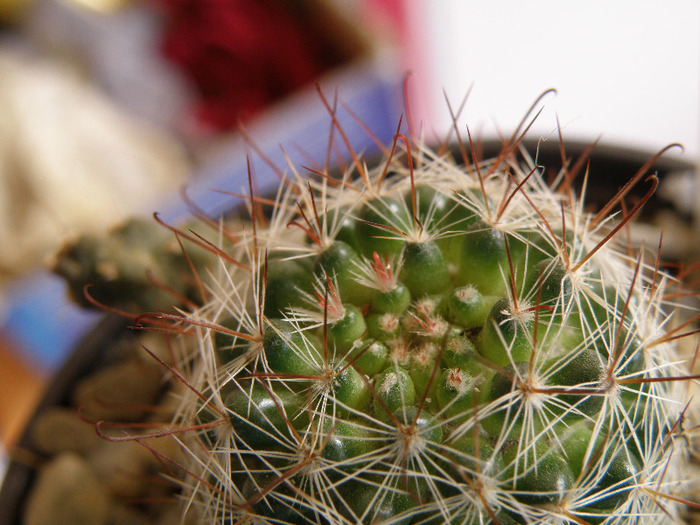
{"points": [[110, 107]]}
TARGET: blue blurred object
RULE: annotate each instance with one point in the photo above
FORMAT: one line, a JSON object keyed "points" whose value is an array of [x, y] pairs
{"points": [[39, 315]]}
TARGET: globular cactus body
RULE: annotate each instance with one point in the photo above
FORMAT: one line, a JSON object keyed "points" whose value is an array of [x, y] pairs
{"points": [[431, 341]]}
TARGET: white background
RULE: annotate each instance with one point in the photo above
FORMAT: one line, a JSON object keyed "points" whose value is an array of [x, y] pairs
{"points": [[626, 71]]}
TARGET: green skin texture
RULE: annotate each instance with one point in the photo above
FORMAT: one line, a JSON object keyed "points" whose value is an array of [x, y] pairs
{"points": [[499, 373], [117, 268], [477, 369]]}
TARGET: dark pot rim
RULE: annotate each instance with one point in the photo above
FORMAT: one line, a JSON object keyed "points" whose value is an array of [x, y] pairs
{"points": [[89, 355]]}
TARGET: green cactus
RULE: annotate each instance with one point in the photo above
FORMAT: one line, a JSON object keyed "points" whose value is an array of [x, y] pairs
{"points": [[454, 342], [138, 265]]}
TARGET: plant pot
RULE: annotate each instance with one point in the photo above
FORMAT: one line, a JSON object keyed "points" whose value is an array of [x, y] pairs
{"points": [[96, 351]]}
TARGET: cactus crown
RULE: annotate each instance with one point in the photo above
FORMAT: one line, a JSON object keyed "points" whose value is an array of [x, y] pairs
{"points": [[430, 341]]}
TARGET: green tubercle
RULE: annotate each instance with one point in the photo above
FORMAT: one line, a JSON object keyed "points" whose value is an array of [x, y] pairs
{"points": [[506, 336]]}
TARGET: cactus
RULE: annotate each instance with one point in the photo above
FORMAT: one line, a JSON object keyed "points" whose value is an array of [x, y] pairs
{"points": [[124, 267], [432, 340]]}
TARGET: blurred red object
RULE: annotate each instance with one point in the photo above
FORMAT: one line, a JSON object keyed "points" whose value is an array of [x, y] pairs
{"points": [[241, 55]]}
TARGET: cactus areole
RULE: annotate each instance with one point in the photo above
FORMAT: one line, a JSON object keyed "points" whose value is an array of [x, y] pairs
{"points": [[435, 339]]}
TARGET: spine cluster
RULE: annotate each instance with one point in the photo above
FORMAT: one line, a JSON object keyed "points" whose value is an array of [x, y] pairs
{"points": [[432, 341]]}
